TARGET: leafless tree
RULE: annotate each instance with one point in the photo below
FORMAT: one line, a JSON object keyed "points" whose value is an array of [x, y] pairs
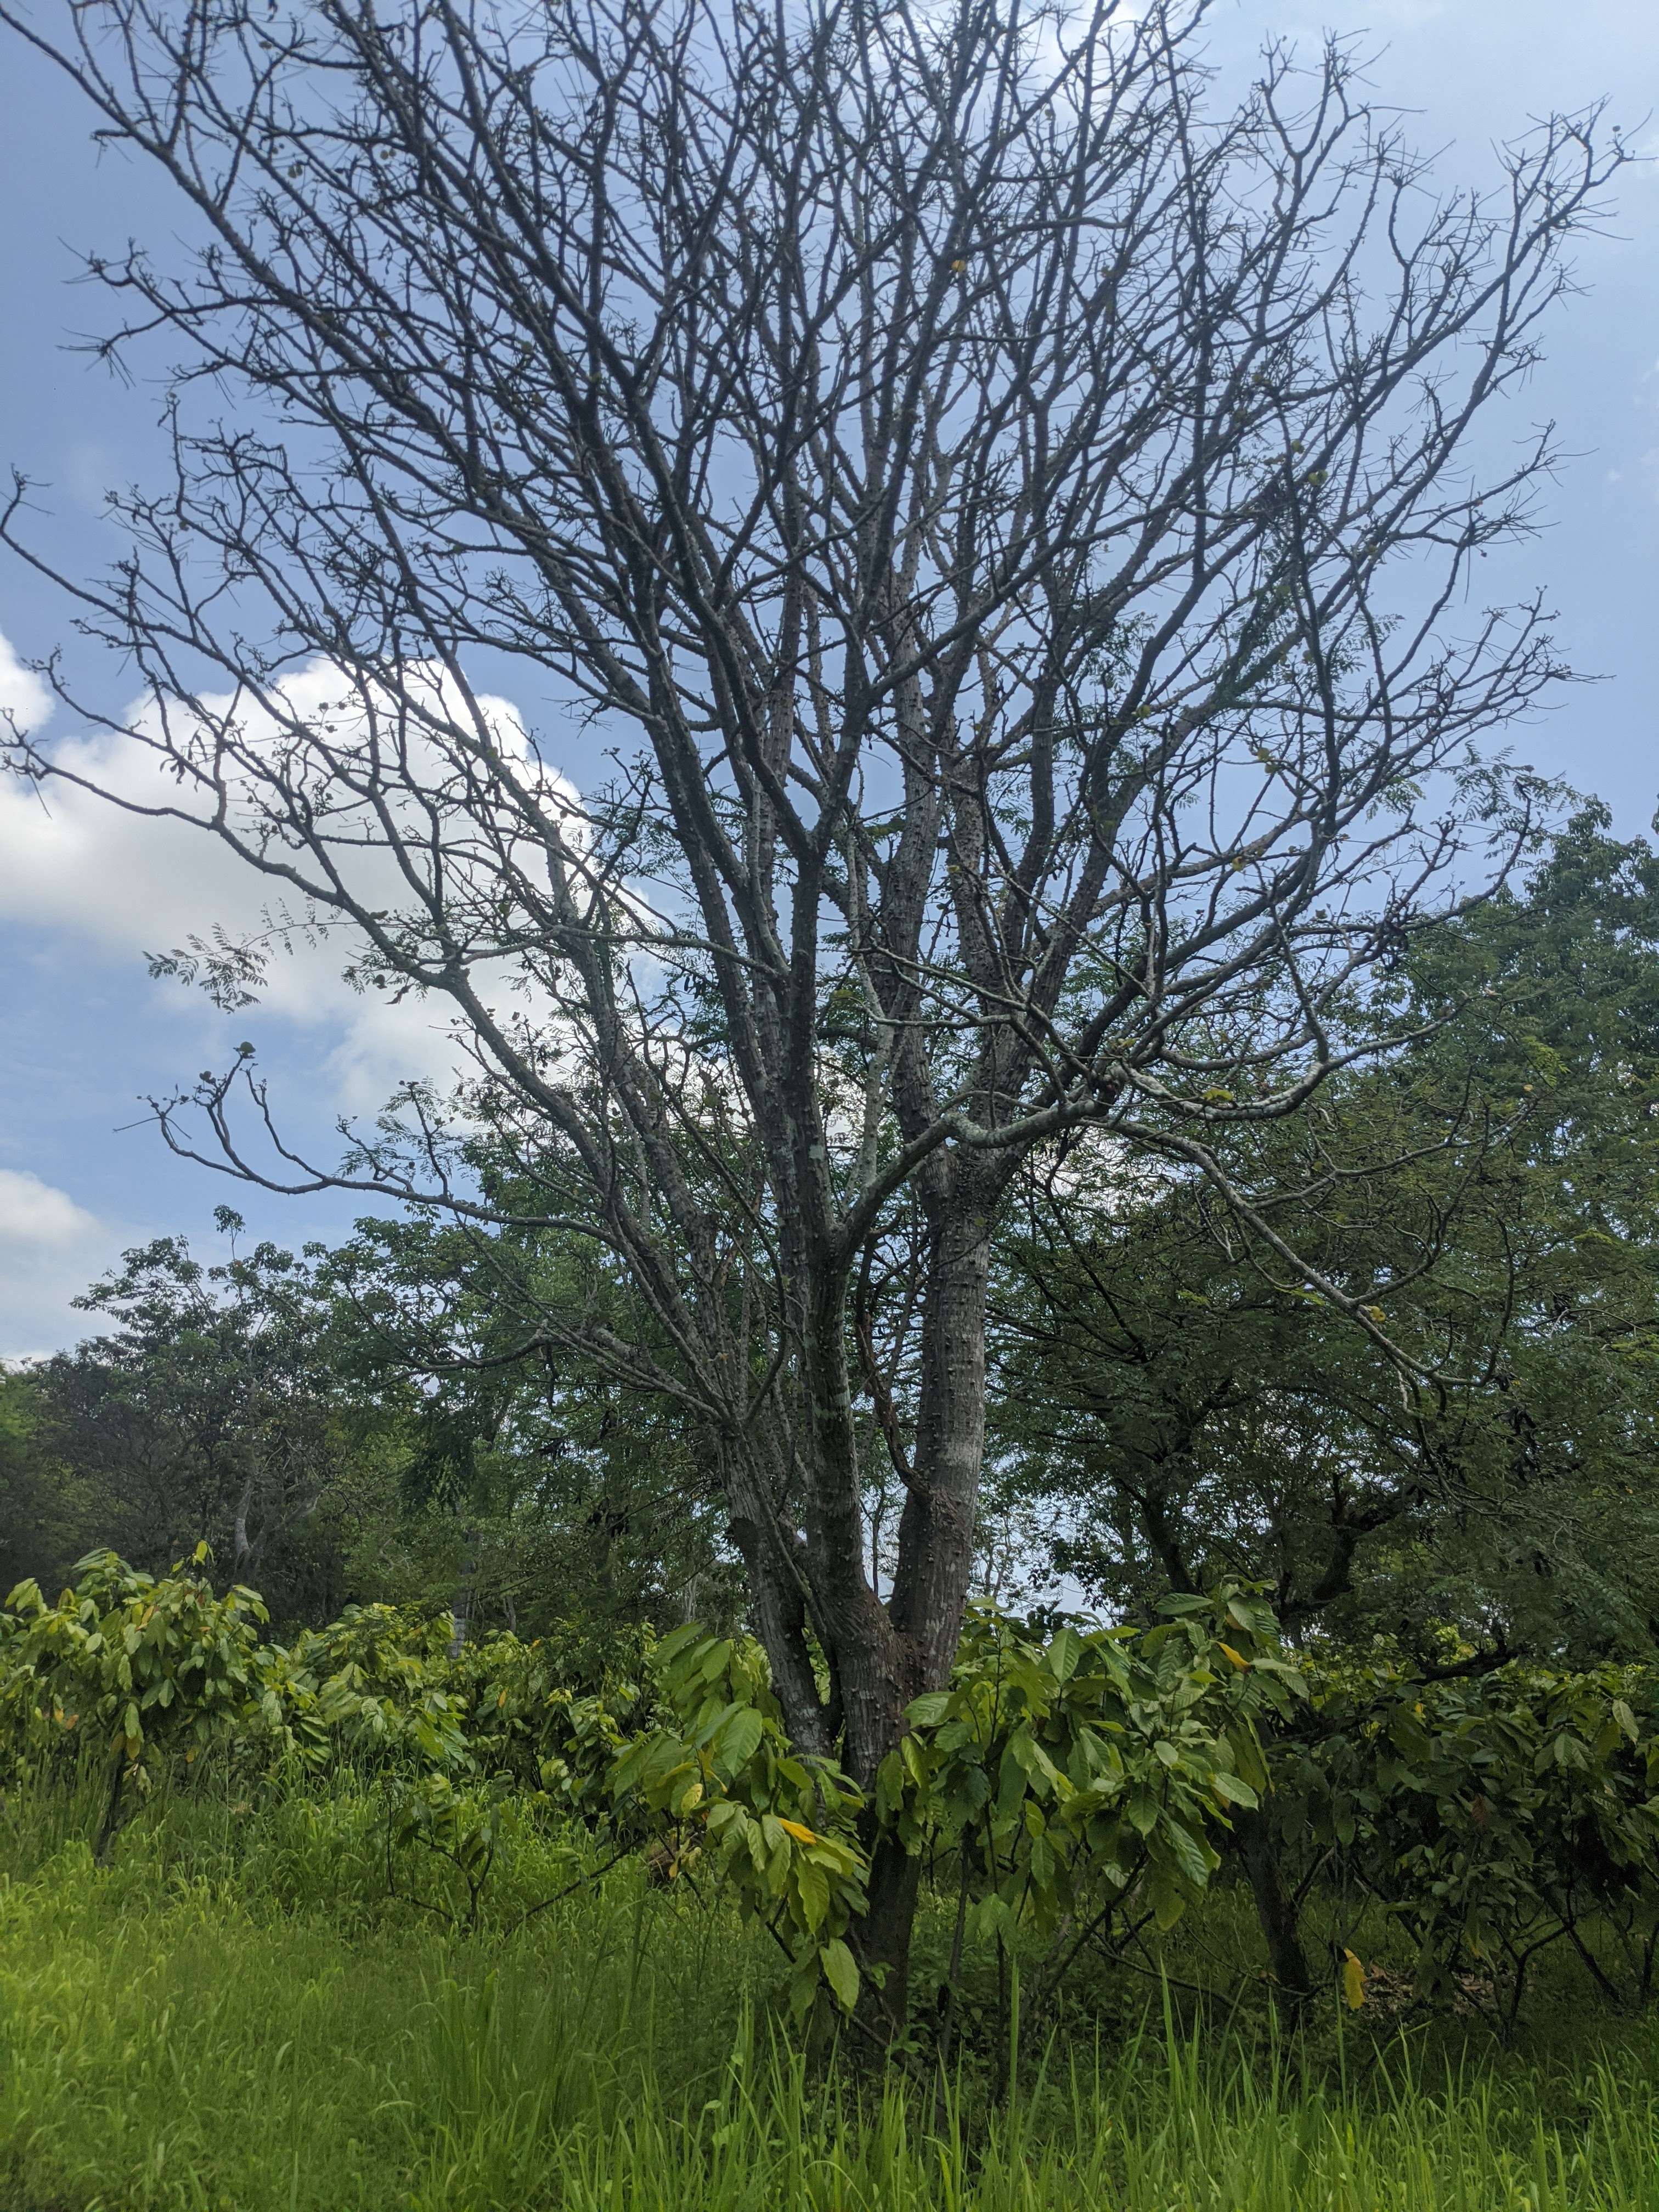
{"points": [[1013, 517]]}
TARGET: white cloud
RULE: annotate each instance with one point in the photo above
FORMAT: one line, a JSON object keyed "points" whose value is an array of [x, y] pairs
{"points": [[25, 702], [129, 883], [49, 1250], [35, 1216]]}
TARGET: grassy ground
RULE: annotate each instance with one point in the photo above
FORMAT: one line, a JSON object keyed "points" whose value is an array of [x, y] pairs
{"points": [[234, 2016]]}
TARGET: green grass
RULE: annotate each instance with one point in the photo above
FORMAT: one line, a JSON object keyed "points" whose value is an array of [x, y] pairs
{"points": [[233, 2016]]}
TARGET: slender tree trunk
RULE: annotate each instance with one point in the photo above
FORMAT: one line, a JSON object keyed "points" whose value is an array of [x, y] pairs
{"points": [[868, 1688], [104, 1849], [948, 1997], [777, 1592], [241, 1553], [460, 1605], [1004, 2024], [1287, 1960]]}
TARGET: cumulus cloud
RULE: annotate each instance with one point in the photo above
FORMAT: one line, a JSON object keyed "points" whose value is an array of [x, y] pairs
{"points": [[25, 702], [129, 883], [49, 1250]]}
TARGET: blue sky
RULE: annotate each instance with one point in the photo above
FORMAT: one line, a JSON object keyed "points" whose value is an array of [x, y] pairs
{"points": [[85, 893]]}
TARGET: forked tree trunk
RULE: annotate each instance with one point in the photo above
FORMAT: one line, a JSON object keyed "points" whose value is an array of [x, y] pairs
{"points": [[885, 1656]]}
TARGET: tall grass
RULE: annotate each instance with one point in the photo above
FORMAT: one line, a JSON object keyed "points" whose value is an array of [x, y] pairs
{"points": [[232, 2018]]}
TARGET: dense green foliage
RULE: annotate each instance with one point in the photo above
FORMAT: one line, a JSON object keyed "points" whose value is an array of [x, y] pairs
{"points": [[1068, 1792], [350, 1427], [1490, 1816], [1137, 1746], [213, 1411], [1069, 1781], [1180, 1399]]}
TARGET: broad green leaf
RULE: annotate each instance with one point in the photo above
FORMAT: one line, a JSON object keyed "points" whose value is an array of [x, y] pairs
{"points": [[841, 1972], [812, 1890], [738, 1741]]}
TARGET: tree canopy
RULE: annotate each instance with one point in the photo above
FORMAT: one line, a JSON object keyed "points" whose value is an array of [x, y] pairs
{"points": [[1181, 1405]]}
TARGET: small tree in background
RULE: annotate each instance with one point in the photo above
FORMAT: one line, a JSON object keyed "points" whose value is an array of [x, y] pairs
{"points": [[1018, 525]]}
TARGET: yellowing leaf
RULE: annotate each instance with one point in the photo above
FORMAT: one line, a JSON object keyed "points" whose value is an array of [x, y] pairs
{"points": [[794, 1828], [1237, 1658], [1353, 1982]]}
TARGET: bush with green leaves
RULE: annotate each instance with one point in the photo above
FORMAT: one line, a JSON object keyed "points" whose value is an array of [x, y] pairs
{"points": [[1065, 1789], [775, 1825], [128, 1669], [1066, 1782], [374, 1687], [1492, 1813], [526, 1720]]}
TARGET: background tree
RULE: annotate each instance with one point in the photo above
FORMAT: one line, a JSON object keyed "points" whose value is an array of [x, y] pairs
{"points": [[49, 1514], [532, 1487], [1014, 520], [210, 1412], [346, 1412], [1181, 1407]]}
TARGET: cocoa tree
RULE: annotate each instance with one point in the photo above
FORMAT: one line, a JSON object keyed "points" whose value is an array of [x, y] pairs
{"points": [[1015, 521]]}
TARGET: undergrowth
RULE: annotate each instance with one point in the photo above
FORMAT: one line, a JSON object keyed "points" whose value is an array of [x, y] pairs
{"points": [[238, 2015]]}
